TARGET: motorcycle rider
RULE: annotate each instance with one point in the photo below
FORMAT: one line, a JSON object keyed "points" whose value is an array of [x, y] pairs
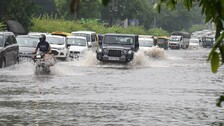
{"points": [[43, 45]]}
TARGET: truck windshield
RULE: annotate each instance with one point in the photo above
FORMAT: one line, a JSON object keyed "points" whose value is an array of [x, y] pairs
{"points": [[87, 36], [174, 39], [76, 42], [55, 40], [1, 40], [146, 43], [27, 42], [123, 40]]}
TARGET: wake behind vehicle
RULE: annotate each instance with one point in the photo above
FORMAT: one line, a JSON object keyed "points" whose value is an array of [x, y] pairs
{"points": [[59, 46], [77, 46], [9, 49], [118, 48]]}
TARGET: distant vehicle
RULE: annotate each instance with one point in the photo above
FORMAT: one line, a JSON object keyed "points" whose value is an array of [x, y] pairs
{"points": [[65, 34], [89, 35], [9, 49], [207, 42], [118, 48], [145, 43], [77, 46], [37, 33], [183, 39], [175, 42], [194, 43], [162, 42], [59, 46], [27, 45]]}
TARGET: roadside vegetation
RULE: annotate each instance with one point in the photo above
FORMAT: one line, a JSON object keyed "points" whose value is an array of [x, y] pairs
{"points": [[50, 24]]}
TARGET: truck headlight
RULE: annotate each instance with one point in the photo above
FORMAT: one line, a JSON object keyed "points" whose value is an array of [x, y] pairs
{"points": [[130, 52], [99, 50], [105, 51], [125, 51]]}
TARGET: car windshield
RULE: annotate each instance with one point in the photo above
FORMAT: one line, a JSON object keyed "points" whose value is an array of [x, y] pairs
{"points": [[161, 40], [55, 40], [146, 43], [87, 36], [76, 42], [174, 38], [124, 40], [27, 42], [1, 40]]}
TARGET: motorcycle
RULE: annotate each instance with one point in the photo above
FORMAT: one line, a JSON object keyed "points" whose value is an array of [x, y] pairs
{"points": [[43, 63]]}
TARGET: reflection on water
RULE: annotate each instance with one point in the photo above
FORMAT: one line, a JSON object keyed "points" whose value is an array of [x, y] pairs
{"points": [[178, 89]]}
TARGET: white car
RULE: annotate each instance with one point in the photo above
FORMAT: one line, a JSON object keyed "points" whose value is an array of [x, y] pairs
{"points": [[145, 43], [194, 43], [77, 46], [59, 46], [89, 35]]}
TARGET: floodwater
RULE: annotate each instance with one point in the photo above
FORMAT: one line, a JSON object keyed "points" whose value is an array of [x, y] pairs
{"points": [[175, 88]]}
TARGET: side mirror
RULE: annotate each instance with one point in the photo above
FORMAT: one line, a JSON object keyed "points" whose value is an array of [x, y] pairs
{"points": [[7, 44]]}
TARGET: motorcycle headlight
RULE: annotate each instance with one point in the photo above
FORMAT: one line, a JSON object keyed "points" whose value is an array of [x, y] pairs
{"points": [[105, 51], [38, 56]]}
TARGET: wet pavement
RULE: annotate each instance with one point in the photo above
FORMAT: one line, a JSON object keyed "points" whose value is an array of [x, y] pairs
{"points": [[174, 89]]}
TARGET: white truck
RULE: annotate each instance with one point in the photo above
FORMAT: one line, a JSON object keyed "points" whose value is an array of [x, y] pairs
{"points": [[179, 40]]}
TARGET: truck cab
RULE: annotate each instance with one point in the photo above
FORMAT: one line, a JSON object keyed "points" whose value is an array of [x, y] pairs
{"points": [[118, 48], [175, 42]]}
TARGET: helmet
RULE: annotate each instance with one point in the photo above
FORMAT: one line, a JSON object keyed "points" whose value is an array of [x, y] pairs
{"points": [[42, 37]]}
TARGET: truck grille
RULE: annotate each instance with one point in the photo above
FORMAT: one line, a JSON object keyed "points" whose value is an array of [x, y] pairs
{"points": [[115, 53]]}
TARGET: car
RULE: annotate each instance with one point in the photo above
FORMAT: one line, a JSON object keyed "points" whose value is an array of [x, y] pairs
{"points": [[145, 42], [77, 46], [117, 48], [27, 45], [59, 47], [89, 35], [9, 49], [194, 43]]}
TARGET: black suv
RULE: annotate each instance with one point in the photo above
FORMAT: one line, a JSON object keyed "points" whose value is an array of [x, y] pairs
{"points": [[118, 48], [9, 50]]}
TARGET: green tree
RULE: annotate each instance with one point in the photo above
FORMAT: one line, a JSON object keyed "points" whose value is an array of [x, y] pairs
{"points": [[19, 10]]}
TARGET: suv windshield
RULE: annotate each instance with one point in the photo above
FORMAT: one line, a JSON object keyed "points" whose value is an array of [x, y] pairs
{"points": [[76, 42], [146, 43], [27, 42], [1, 40], [87, 36], [123, 40], [55, 40]]}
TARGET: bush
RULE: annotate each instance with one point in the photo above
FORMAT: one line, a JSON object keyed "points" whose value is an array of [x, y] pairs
{"points": [[197, 28], [49, 24], [2, 26]]}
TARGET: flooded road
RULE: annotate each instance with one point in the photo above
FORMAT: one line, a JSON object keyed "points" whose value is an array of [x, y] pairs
{"points": [[177, 89]]}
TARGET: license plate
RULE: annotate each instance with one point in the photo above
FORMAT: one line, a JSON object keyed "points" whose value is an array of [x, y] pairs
{"points": [[113, 58]]}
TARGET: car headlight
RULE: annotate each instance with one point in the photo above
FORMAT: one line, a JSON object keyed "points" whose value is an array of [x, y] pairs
{"points": [[130, 52], [38, 56], [105, 51], [61, 48], [125, 51], [99, 50]]}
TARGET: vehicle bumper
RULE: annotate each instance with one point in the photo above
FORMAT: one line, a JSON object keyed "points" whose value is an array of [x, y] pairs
{"points": [[59, 53], [107, 58]]}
